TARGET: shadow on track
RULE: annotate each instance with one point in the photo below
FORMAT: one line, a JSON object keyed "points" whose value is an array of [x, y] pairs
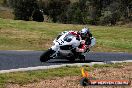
{"points": [[76, 61]]}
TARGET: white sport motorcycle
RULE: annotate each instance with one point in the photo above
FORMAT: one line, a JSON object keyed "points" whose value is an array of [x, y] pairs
{"points": [[64, 46]]}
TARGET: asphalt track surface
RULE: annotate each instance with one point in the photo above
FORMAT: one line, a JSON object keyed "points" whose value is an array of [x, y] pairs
{"points": [[23, 59]]}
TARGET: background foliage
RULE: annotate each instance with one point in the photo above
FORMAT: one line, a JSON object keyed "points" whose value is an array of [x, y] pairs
{"points": [[104, 12]]}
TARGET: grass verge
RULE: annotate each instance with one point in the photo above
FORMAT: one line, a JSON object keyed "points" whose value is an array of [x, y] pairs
{"points": [[22, 35], [22, 78]]}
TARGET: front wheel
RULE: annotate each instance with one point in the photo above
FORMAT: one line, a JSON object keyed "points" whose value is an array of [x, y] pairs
{"points": [[46, 55]]}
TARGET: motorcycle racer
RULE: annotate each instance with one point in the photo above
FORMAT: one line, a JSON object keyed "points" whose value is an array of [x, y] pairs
{"points": [[86, 36]]}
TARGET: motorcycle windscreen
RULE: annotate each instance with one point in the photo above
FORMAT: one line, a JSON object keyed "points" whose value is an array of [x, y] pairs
{"points": [[68, 38]]}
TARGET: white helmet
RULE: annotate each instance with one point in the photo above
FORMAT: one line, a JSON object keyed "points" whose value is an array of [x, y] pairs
{"points": [[84, 32]]}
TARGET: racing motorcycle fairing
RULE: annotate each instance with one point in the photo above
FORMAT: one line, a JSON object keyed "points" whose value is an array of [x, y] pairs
{"points": [[65, 40], [65, 45]]}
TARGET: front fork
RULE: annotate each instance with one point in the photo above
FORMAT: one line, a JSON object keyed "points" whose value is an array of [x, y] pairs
{"points": [[56, 49]]}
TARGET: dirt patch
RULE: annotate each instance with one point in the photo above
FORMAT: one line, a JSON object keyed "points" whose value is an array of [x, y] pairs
{"points": [[124, 72]]}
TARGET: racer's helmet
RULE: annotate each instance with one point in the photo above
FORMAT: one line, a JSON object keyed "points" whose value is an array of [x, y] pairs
{"points": [[84, 32]]}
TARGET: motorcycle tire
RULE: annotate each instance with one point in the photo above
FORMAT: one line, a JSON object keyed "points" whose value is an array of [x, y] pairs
{"points": [[82, 58], [71, 59], [46, 55]]}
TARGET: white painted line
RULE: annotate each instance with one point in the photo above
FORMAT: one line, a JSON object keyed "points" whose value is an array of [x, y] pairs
{"points": [[121, 61], [56, 66]]}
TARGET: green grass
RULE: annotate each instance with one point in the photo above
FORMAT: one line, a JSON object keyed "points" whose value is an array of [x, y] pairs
{"points": [[35, 76], [22, 35], [22, 78]]}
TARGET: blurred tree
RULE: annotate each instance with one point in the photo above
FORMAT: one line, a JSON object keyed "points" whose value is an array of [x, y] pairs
{"points": [[78, 12], [126, 8], [54, 8], [23, 8], [111, 13], [37, 15]]}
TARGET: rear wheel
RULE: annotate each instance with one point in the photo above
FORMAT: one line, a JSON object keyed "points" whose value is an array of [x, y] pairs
{"points": [[71, 59], [82, 58], [46, 55]]}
